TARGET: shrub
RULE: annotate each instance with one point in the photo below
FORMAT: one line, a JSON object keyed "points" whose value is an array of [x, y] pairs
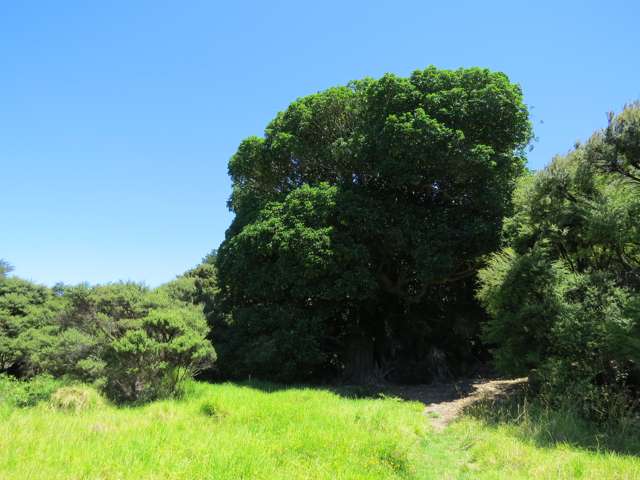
{"points": [[564, 296], [154, 355], [27, 311], [134, 343]]}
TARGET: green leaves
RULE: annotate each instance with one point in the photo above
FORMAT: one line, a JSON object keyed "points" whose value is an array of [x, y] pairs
{"points": [[617, 148], [564, 298], [136, 343], [361, 209], [27, 311], [150, 356]]}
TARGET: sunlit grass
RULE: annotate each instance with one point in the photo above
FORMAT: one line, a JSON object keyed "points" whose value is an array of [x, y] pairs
{"points": [[501, 452], [240, 432], [222, 432]]}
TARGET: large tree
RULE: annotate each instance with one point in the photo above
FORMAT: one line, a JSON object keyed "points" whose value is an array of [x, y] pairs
{"points": [[360, 218]]}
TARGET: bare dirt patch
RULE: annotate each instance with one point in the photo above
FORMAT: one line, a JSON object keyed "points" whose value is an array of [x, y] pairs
{"points": [[444, 402]]}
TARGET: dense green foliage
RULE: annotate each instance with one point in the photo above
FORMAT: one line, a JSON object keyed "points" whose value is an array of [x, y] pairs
{"points": [[564, 296], [26, 311], [360, 218], [134, 343]]}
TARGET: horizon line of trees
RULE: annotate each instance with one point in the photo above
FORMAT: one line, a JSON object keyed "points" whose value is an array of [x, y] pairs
{"points": [[131, 342]]}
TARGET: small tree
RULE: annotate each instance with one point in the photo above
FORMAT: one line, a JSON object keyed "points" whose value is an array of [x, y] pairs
{"points": [[153, 355], [27, 311]]}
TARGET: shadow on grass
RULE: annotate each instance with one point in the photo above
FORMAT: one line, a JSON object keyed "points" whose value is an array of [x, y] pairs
{"points": [[342, 390], [425, 393], [549, 427], [508, 405]]}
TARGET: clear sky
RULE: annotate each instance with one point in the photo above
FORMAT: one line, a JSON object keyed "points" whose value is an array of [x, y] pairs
{"points": [[117, 118]]}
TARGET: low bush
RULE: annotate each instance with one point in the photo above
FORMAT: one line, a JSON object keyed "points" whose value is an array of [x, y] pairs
{"points": [[156, 354], [548, 424]]}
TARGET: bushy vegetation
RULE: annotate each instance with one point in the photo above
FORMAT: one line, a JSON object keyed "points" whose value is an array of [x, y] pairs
{"points": [[133, 343], [564, 294], [549, 425], [360, 218]]}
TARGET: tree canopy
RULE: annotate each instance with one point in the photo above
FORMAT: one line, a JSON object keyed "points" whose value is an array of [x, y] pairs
{"points": [[360, 218]]}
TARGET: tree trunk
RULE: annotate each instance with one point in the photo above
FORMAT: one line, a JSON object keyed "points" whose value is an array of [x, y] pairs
{"points": [[360, 361]]}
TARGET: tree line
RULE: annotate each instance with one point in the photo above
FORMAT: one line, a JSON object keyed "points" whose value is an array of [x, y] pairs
{"points": [[386, 230], [133, 343]]}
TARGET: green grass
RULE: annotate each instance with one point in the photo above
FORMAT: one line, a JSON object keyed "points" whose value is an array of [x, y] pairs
{"points": [[501, 452], [235, 432]]}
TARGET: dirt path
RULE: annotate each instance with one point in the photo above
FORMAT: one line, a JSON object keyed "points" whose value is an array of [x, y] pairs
{"points": [[445, 402]]}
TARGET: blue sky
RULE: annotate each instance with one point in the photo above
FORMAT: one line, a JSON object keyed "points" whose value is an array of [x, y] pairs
{"points": [[117, 118]]}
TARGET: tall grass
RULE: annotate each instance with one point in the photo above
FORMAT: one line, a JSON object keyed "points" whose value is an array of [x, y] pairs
{"points": [[265, 432], [531, 439], [221, 432], [549, 424]]}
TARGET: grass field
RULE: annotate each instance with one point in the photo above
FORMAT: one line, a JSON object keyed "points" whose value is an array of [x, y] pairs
{"points": [[239, 432]]}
